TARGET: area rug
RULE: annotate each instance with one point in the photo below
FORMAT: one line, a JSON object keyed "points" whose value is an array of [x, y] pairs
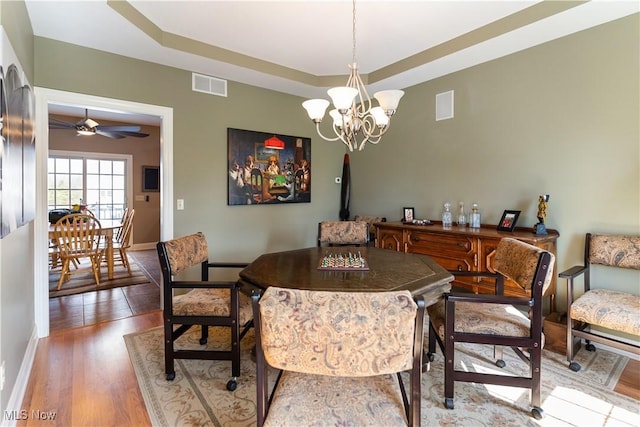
{"points": [[84, 282], [198, 397]]}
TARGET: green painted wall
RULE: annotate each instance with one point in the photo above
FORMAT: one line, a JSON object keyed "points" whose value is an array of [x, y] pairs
{"points": [[562, 118], [200, 146]]}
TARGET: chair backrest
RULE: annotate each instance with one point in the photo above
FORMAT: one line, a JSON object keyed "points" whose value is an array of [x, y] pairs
{"points": [[613, 250], [338, 333], [519, 261], [77, 234], [124, 235], [183, 253], [343, 233]]}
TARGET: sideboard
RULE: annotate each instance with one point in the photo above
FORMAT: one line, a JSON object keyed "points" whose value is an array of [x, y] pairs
{"points": [[463, 249]]}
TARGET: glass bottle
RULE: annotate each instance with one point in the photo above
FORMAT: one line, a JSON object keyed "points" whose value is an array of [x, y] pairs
{"points": [[447, 217], [462, 217], [474, 218]]}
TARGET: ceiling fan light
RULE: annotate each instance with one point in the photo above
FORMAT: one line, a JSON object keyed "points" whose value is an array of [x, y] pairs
{"points": [[86, 132], [90, 123], [342, 96], [316, 108], [389, 100]]}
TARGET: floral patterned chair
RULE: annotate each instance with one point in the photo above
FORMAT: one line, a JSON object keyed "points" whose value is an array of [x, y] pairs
{"points": [[493, 319], [206, 303], [336, 233], [337, 353], [599, 305], [370, 220]]}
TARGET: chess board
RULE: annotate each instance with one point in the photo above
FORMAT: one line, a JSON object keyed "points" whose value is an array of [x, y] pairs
{"points": [[343, 261]]}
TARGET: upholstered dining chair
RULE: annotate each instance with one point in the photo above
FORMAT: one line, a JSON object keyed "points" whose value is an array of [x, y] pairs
{"points": [[370, 220], [337, 233], [496, 320], [597, 308], [205, 303], [77, 236], [340, 355]]}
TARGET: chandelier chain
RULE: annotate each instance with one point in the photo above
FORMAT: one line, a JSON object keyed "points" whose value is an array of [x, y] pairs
{"points": [[354, 31]]}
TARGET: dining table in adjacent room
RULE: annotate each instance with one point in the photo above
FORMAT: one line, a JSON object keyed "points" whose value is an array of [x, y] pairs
{"points": [[108, 228]]}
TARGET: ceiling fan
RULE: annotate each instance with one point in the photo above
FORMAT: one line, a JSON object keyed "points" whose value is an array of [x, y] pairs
{"points": [[89, 126]]}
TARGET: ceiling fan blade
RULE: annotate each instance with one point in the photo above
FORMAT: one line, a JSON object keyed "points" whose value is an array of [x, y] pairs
{"points": [[134, 134], [119, 128], [60, 124], [112, 135]]}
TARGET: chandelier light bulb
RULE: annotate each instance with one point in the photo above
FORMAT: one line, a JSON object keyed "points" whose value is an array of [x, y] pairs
{"points": [[389, 100], [316, 108], [342, 97]]}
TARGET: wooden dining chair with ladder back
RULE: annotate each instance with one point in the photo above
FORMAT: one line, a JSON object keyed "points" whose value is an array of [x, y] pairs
{"points": [[77, 237]]}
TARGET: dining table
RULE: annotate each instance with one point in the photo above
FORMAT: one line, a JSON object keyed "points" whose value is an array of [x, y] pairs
{"points": [[382, 270], [377, 270], [107, 230]]}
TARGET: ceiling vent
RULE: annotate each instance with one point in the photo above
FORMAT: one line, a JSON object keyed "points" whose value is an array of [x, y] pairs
{"points": [[208, 84]]}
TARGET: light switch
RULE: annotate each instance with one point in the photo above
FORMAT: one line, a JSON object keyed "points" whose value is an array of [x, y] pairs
{"points": [[180, 204]]}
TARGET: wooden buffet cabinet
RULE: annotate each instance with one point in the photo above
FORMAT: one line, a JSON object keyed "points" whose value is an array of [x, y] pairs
{"points": [[463, 249]]}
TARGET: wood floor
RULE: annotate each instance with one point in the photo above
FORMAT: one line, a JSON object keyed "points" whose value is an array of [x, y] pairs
{"points": [[84, 376], [109, 304]]}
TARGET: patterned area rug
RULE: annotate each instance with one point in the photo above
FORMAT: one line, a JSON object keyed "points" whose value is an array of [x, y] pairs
{"points": [[197, 396], [84, 282]]}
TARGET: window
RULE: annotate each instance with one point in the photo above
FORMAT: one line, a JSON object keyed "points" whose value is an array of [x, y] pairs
{"points": [[96, 180]]}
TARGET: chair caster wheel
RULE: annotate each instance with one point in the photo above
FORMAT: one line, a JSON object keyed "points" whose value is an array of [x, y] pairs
{"points": [[500, 363], [171, 376], [574, 366], [537, 413], [232, 385], [590, 347], [203, 341], [448, 403], [431, 357]]}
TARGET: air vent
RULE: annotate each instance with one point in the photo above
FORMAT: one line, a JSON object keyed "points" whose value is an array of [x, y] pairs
{"points": [[208, 84]]}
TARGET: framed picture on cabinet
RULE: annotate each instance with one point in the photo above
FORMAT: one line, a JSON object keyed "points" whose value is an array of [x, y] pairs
{"points": [[409, 214], [508, 220]]}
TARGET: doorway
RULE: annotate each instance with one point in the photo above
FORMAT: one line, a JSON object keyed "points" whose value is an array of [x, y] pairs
{"points": [[45, 98]]}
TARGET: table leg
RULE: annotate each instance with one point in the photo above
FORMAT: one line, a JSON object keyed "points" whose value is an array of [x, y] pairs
{"points": [[109, 253]]}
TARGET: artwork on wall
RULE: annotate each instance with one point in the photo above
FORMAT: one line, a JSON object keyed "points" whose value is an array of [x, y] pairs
{"points": [[267, 168], [17, 148]]}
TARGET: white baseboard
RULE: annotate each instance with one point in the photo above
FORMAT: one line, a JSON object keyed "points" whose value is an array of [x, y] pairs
{"points": [[20, 387]]}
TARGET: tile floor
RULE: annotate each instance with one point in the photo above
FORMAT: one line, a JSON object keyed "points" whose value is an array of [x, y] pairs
{"points": [[109, 304]]}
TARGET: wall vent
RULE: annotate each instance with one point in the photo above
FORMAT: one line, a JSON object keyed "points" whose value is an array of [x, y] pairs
{"points": [[208, 84], [444, 105]]}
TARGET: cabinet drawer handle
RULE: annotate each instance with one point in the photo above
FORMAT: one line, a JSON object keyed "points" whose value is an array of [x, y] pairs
{"points": [[459, 268], [415, 238], [461, 245]]}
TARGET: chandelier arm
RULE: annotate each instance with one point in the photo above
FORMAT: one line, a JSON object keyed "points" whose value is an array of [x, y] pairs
{"points": [[324, 137]]}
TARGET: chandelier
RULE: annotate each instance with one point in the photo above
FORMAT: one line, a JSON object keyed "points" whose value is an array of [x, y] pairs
{"points": [[355, 120]]}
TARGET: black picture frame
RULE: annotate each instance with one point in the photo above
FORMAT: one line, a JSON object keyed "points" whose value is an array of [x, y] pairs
{"points": [[408, 214], [150, 178], [508, 220]]}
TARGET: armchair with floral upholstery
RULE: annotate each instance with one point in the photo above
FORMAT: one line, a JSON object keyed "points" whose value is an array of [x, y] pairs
{"points": [[598, 306], [496, 320], [340, 233], [340, 355], [205, 303]]}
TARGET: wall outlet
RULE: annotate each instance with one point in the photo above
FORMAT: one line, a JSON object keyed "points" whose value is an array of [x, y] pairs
{"points": [[2, 376], [180, 204]]}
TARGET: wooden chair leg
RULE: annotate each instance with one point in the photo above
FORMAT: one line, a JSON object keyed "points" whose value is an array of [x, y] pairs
{"points": [[64, 272]]}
